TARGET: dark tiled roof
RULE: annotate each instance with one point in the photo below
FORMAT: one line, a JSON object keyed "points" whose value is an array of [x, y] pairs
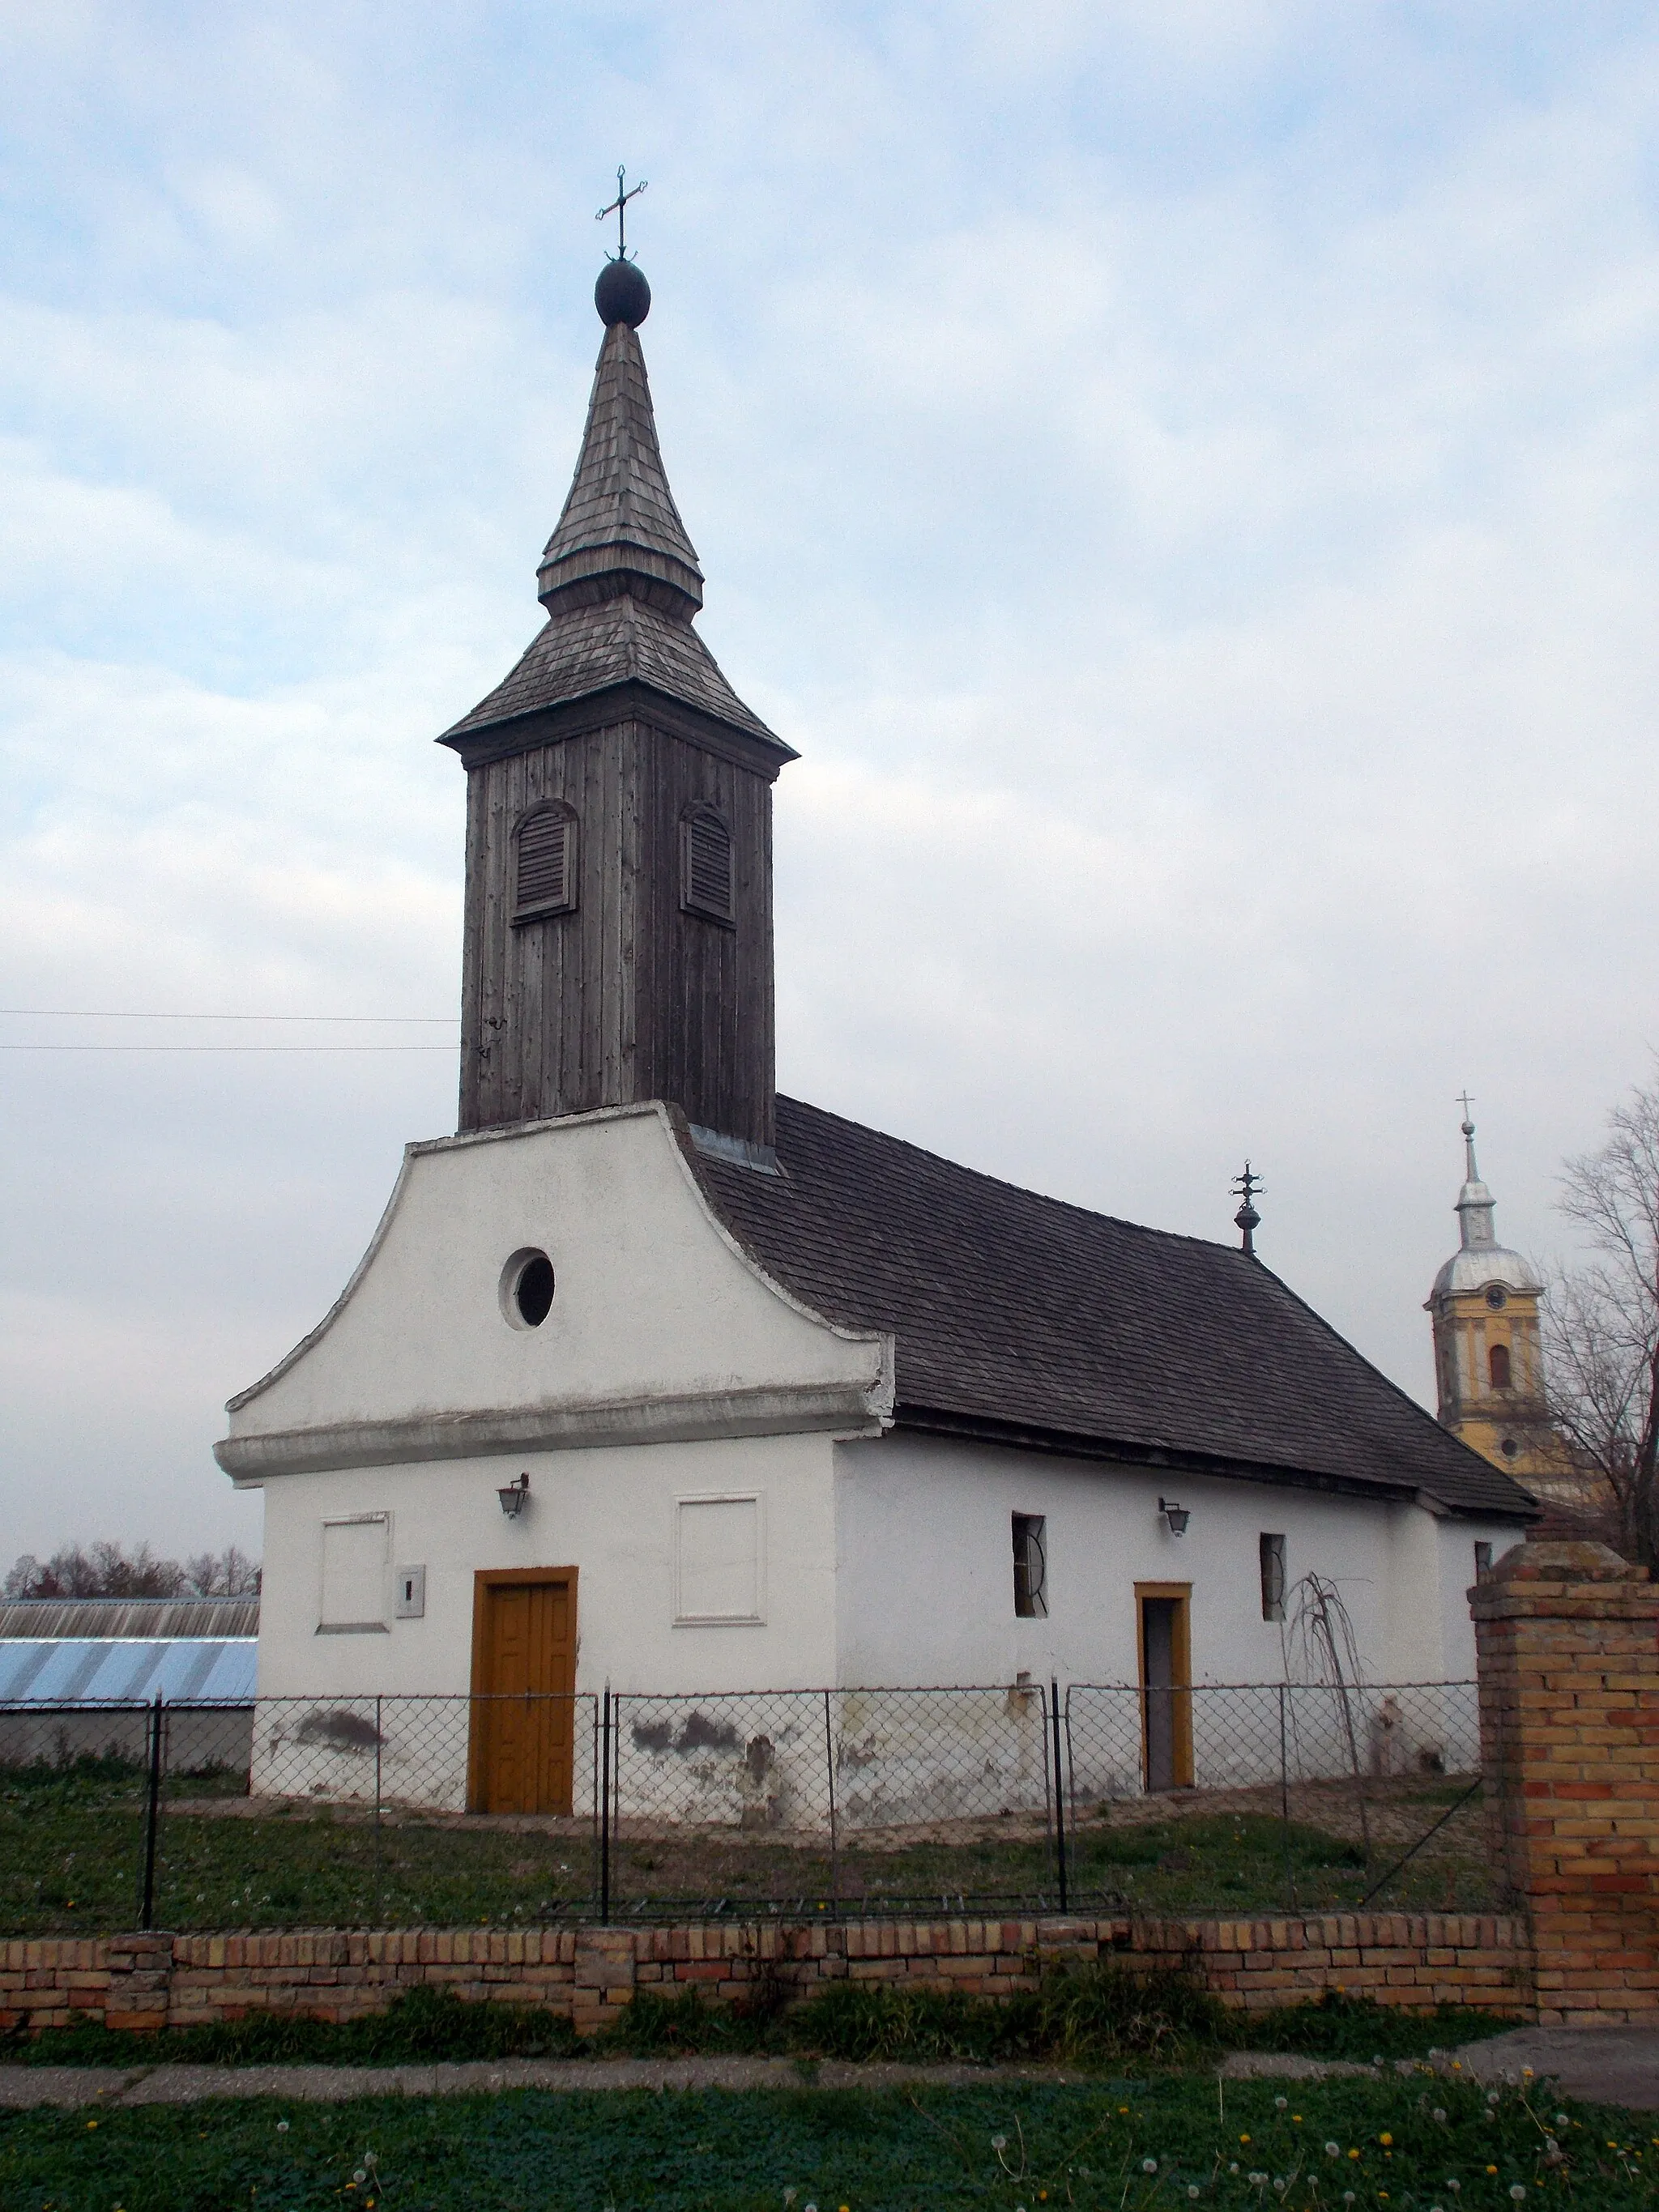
{"points": [[1029, 1315], [588, 650]]}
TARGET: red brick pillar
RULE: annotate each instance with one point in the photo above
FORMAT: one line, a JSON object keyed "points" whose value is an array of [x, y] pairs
{"points": [[1567, 1649]]}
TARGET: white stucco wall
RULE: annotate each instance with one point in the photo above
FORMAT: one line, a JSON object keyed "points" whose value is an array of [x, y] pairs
{"points": [[654, 1300], [917, 1514], [610, 1514]]}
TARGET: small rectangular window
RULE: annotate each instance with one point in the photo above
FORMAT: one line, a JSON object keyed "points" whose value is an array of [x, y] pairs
{"points": [[718, 1559], [354, 1575], [1030, 1566], [1482, 1561], [1272, 1577]]}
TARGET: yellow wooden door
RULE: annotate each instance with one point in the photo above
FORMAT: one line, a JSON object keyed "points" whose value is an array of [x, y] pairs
{"points": [[524, 1675]]}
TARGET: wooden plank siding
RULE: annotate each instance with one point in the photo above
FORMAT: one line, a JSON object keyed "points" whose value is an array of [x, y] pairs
{"points": [[628, 997]]}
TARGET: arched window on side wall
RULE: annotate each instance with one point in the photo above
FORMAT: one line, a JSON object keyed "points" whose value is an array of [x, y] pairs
{"points": [[1498, 1366], [705, 864], [544, 862]]}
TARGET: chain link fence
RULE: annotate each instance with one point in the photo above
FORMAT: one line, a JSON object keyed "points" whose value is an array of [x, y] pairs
{"points": [[867, 1800], [1292, 1795], [515, 1810]]}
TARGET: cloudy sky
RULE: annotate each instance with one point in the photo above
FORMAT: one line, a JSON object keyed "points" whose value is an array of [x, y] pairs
{"points": [[1181, 472]]}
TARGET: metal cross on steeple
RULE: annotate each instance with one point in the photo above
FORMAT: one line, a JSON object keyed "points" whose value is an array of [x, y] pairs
{"points": [[1465, 1102], [618, 207], [1247, 1220]]}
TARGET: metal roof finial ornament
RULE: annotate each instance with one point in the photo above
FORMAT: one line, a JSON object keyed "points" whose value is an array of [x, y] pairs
{"points": [[1247, 1220], [1468, 1126], [622, 295], [618, 207]]}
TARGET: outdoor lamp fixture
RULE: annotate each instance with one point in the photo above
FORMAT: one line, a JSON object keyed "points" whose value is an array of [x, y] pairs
{"points": [[513, 1496], [1177, 1515]]}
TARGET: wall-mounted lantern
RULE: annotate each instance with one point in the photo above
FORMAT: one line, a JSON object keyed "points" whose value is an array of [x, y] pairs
{"points": [[1177, 1515], [513, 1496]]}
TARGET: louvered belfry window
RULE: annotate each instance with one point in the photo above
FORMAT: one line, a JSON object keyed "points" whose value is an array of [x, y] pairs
{"points": [[546, 864], [705, 864]]}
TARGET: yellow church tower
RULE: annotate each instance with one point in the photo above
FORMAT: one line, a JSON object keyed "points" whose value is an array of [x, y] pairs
{"points": [[1489, 1343]]}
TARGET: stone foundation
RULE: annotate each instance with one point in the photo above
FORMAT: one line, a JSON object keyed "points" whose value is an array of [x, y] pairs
{"points": [[152, 1981]]}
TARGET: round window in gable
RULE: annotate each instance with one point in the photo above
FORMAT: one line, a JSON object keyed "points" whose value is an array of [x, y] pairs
{"points": [[1511, 1449], [526, 1289]]}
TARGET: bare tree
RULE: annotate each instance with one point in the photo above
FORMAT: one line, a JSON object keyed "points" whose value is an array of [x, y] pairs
{"points": [[105, 1570], [231, 1573], [1602, 1319]]}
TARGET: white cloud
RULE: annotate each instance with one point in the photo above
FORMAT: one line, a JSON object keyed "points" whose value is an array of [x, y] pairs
{"points": [[1180, 474]]}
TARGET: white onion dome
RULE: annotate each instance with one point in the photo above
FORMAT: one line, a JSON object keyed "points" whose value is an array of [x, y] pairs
{"points": [[1480, 1260]]}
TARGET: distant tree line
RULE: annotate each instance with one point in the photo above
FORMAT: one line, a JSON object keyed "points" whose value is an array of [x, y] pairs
{"points": [[112, 1571]]}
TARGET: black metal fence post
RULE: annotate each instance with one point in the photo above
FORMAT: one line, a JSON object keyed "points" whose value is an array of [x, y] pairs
{"points": [[834, 1838], [379, 1898], [1060, 1793], [1285, 1798], [605, 1810], [152, 1815]]}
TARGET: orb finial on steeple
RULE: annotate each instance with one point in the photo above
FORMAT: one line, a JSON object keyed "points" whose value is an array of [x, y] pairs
{"points": [[1247, 1220]]}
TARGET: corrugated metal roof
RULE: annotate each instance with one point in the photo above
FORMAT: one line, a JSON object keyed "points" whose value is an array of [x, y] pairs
{"points": [[129, 1616], [86, 1670]]}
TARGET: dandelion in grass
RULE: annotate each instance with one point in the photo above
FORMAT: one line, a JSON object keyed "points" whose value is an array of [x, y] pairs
{"points": [[1256, 2180], [1233, 2168], [1438, 2115], [1333, 2150], [1193, 2189], [1385, 2139], [1281, 2104], [999, 2143], [1149, 2165], [1517, 2190], [281, 2127], [1347, 2196]]}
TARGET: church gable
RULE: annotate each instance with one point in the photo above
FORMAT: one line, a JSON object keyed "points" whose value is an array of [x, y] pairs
{"points": [[552, 1285]]}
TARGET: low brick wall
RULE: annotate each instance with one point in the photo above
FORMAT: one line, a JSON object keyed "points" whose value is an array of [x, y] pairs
{"points": [[150, 1981]]}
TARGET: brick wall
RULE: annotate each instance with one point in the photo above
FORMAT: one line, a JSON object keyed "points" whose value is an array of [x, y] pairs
{"points": [[1416, 1960], [1567, 1639]]}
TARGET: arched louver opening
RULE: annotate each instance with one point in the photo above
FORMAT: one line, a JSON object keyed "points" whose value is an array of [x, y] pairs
{"points": [[705, 864], [544, 880], [1498, 1366]]}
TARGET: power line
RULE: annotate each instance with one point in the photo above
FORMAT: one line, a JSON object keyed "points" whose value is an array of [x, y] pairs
{"points": [[227, 1048], [121, 1014]]}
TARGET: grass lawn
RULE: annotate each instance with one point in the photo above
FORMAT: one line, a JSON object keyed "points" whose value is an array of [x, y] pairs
{"points": [[1162, 2144], [71, 1842]]}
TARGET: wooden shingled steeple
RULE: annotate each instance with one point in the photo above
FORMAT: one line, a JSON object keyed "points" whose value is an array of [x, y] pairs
{"points": [[618, 927]]}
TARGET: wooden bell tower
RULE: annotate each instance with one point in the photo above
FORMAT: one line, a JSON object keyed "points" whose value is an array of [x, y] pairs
{"points": [[619, 919]]}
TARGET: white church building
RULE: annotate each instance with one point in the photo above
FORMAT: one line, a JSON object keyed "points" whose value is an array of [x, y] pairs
{"points": [[653, 1378]]}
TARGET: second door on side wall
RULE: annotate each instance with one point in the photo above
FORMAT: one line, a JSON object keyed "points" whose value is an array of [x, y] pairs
{"points": [[524, 1677], [1166, 1677]]}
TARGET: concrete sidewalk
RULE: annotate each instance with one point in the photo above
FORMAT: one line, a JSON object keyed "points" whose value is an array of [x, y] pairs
{"points": [[21, 2085], [1607, 2065]]}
